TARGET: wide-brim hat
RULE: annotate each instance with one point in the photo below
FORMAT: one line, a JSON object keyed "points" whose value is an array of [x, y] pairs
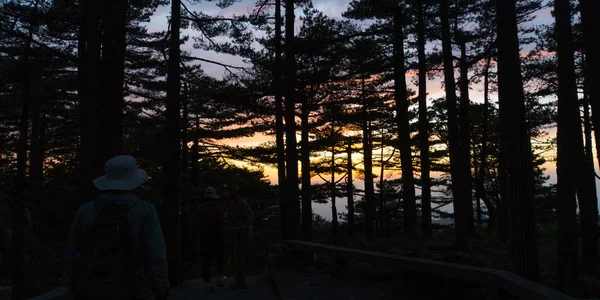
{"points": [[211, 192], [121, 174]]}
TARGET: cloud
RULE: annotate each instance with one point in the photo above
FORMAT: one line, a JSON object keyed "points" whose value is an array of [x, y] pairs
{"points": [[332, 8]]}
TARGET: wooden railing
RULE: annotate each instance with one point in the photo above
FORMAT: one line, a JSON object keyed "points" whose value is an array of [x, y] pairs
{"points": [[494, 282]]}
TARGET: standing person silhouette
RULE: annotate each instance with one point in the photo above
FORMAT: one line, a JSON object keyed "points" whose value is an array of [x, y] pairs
{"points": [[239, 224], [211, 220], [116, 248]]}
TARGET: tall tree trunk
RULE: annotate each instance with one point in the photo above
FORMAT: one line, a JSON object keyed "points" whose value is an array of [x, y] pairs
{"points": [[111, 83], [172, 165], [306, 187], [476, 175], [481, 193], [570, 156], [590, 10], [423, 125], [460, 215], [514, 134], [350, 191], [281, 181], [184, 134], [465, 136], [36, 165], [19, 199], [194, 155], [589, 226], [90, 164], [334, 216], [408, 184], [293, 205], [503, 220], [369, 206], [381, 190]]}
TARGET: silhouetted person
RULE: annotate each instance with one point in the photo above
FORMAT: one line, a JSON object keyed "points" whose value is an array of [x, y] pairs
{"points": [[239, 224], [211, 220], [116, 249]]}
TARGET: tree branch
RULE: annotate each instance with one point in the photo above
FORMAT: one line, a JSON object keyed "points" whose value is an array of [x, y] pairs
{"points": [[213, 62]]}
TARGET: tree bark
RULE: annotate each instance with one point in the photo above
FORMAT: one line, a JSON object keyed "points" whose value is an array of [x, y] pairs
{"points": [[589, 216], [465, 137], [306, 186], [184, 135], [408, 185], [36, 165], [503, 221], [381, 190], [570, 156], [111, 81], [350, 191], [460, 216], [90, 164], [293, 213], [194, 155], [172, 165], [590, 10], [20, 199], [334, 217], [570, 151], [369, 205], [516, 145], [481, 193], [277, 82], [423, 126]]}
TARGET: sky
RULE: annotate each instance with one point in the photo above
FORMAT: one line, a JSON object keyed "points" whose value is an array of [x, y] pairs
{"points": [[334, 9]]}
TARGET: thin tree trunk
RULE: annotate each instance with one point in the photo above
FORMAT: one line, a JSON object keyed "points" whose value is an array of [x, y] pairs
{"points": [[306, 186], [172, 165], [590, 10], [36, 165], [481, 193], [408, 185], [460, 216], [184, 134], [381, 191], [503, 220], [194, 155], [423, 126], [350, 192], [589, 216], [293, 210], [465, 137], [334, 217], [281, 181], [516, 143], [570, 151], [369, 207], [476, 175]]}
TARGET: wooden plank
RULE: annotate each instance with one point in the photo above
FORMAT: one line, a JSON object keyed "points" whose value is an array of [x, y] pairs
{"points": [[58, 293], [509, 282]]}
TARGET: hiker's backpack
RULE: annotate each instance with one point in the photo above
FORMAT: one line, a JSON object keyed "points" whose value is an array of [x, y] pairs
{"points": [[107, 247]]}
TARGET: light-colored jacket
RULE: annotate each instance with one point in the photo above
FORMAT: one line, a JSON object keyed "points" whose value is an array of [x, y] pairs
{"points": [[148, 240]]}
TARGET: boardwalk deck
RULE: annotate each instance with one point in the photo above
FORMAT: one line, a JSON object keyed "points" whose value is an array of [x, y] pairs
{"points": [[258, 289], [307, 285]]}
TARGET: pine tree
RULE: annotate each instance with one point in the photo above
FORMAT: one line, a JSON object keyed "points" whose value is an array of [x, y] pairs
{"points": [[515, 143], [461, 220], [172, 168]]}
